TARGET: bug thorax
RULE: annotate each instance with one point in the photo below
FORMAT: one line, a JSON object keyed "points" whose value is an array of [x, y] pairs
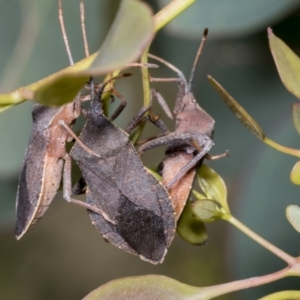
{"points": [[191, 117]]}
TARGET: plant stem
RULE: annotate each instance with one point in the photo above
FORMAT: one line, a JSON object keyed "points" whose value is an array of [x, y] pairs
{"points": [[225, 288], [286, 150], [290, 260]]}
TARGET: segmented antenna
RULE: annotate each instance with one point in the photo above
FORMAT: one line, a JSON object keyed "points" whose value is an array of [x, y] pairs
{"points": [[192, 76], [62, 26], [82, 19], [172, 67]]}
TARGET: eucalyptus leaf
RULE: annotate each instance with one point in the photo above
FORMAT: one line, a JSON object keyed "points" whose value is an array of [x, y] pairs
{"points": [[207, 210], [293, 215], [287, 63], [5, 107], [295, 174], [191, 229], [284, 295], [51, 84], [147, 287], [238, 110], [213, 186], [131, 31], [296, 116]]}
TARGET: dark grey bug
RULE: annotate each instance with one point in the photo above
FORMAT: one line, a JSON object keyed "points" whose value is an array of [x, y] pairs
{"points": [[44, 163], [139, 217], [46, 160], [189, 143]]}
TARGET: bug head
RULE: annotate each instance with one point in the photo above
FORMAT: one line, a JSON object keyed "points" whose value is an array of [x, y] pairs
{"points": [[96, 94]]}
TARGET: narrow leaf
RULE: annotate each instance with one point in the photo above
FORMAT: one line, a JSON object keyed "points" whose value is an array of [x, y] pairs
{"points": [[295, 174], [213, 185], [238, 110], [287, 63], [284, 295], [147, 287], [51, 84], [131, 32], [296, 116], [293, 215], [191, 229]]}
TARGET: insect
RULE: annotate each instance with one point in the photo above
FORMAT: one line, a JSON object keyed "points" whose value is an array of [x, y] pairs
{"points": [[139, 217], [45, 161], [191, 140]]}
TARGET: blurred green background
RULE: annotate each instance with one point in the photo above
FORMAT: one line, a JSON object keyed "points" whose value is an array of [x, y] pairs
{"points": [[64, 257]]}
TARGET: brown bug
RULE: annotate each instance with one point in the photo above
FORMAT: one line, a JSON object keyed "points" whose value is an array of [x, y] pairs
{"points": [[191, 140]]}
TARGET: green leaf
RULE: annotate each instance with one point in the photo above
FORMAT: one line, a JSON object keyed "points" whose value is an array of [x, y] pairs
{"points": [[293, 215], [191, 229], [229, 17], [284, 295], [207, 210], [213, 186], [131, 32], [50, 84], [287, 63], [296, 116], [295, 174], [122, 46], [238, 110], [5, 107], [147, 287], [61, 91]]}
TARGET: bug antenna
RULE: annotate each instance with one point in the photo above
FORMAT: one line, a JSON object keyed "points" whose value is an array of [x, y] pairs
{"points": [[85, 44], [172, 67], [82, 19], [62, 26], [192, 76]]}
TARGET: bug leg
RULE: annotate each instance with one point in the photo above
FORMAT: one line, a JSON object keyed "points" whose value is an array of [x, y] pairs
{"points": [[150, 117], [67, 191], [192, 163], [215, 157], [136, 120], [70, 131], [162, 102], [173, 138], [121, 105]]}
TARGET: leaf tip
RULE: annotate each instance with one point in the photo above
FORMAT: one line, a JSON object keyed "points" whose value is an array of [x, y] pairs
{"points": [[270, 31]]}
